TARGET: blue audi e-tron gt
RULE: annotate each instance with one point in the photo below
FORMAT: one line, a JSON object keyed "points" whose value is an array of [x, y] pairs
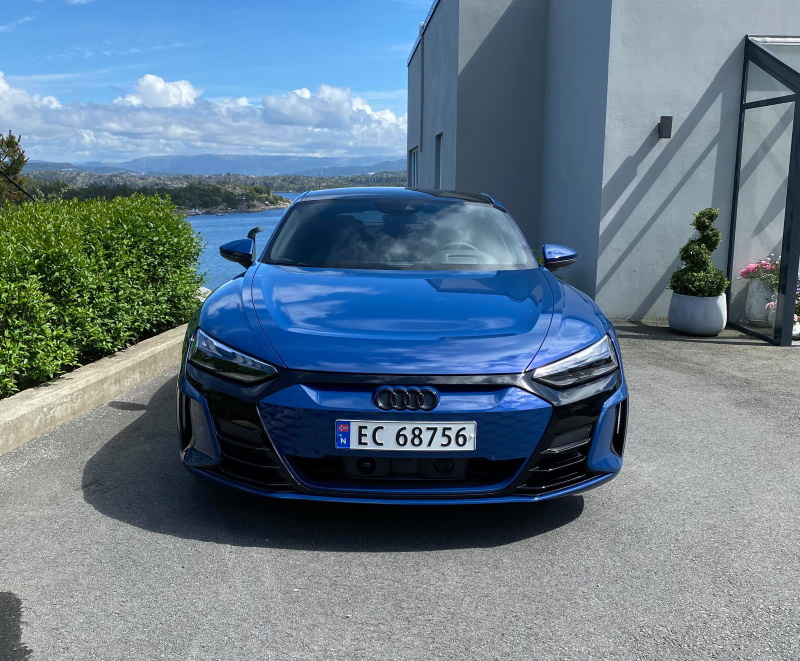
{"points": [[401, 346]]}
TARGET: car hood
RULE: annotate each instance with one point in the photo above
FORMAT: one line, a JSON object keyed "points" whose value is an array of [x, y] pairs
{"points": [[380, 322]]}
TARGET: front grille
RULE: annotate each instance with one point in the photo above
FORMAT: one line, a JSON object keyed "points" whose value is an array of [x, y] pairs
{"points": [[247, 453], [271, 460], [477, 472], [184, 421], [557, 471], [561, 461]]}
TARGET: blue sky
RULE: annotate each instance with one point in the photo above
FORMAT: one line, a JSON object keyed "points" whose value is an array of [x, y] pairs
{"points": [[112, 80]]}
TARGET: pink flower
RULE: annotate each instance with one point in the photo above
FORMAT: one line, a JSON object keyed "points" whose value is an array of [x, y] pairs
{"points": [[771, 305], [760, 268], [748, 270]]}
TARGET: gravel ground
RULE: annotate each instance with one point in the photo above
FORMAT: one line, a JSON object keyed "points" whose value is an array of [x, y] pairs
{"points": [[109, 550]]}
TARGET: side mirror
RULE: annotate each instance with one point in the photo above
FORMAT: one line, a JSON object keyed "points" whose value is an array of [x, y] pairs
{"points": [[556, 256], [239, 251]]}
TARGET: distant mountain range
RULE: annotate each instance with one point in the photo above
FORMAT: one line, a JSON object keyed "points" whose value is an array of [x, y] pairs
{"points": [[314, 166], [50, 166]]}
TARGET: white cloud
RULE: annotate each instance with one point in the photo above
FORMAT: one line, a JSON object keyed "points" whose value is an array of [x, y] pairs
{"points": [[109, 49], [10, 26], [46, 77], [162, 117], [12, 99], [156, 92]]}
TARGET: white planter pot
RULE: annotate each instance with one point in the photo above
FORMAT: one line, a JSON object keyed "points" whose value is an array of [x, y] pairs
{"points": [[771, 314], [795, 327], [705, 316], [755, 309]]}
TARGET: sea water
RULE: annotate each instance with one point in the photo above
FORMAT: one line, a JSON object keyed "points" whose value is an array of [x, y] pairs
{"points": [[216, 230]]}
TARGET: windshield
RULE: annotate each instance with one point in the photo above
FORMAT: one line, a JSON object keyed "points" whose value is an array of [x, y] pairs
{"points": [[392, 233]]}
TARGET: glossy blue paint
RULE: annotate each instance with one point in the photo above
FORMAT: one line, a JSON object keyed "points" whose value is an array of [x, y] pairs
{"points": [[601, 456], [557, 256], [228, 315], [576, 323], [401, 324]]}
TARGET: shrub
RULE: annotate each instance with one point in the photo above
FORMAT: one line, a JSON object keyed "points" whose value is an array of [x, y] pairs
{"points": [[80, 280], [699, 277]]}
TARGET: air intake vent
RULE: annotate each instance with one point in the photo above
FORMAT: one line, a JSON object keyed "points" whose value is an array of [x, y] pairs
{"points": [[570, 440], [620, 429], [561, 468], [247, 455]]}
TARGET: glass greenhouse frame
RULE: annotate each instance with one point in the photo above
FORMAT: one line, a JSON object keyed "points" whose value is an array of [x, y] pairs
{"points": [[764, 258]]}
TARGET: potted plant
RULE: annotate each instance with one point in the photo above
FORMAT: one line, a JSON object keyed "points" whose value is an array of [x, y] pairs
{"points": [[762, 277], [698, 300], [761, 305], [772, 308]]}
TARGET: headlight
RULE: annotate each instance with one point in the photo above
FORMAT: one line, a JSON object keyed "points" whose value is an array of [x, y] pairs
{"points": [[586, 365], [207, 353]]}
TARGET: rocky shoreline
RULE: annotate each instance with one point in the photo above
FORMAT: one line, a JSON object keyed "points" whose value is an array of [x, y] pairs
{"points": [[222, 212]]}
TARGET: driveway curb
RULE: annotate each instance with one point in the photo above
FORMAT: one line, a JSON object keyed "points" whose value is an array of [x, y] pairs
{"points": [[33, 412]]}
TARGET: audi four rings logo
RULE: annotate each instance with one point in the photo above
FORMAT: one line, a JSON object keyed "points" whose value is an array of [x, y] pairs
{"points": [[397, 398]]}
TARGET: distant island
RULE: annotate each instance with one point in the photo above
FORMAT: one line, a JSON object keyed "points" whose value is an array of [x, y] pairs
{"points": [[220, 193], [190, 197]]}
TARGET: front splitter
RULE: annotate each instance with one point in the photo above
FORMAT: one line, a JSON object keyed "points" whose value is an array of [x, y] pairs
{"points": [[575, 489]]}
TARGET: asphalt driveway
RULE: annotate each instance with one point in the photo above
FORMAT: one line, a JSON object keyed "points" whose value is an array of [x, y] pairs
{"points": [[109, 550]]}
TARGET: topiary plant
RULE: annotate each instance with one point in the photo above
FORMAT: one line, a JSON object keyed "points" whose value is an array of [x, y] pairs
{"points": [[699, 277]]}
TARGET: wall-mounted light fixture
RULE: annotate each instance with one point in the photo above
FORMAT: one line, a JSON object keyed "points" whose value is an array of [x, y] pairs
{"points": [[665, 127]]}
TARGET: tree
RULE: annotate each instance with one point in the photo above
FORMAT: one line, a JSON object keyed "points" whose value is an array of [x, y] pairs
{"points": [[12, 160]]}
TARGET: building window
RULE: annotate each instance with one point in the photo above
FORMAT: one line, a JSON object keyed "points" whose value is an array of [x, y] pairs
{"points": [[438, 161], [413, 165]]}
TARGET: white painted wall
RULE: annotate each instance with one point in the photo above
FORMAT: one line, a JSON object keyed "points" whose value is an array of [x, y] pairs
{"points": [[478, 77], [501, 89], [552, 106], [432, 94], [577, 74], [682, 58]]}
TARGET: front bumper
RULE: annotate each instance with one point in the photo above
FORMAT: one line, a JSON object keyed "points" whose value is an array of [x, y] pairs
{"points": [[278, 439]]}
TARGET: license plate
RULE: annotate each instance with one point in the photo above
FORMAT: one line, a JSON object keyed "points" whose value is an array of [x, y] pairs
{"points": [[375, 435]]}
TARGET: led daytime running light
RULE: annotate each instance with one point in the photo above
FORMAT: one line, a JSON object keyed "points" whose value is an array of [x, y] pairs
{"points": [[220, 359], [590, 363]]}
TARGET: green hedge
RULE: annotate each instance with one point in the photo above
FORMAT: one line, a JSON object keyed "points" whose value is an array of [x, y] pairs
{"points": [[80, 280]]}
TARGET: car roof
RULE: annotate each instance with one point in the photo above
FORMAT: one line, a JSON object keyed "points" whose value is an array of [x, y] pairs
{"points": [[398, 193]]}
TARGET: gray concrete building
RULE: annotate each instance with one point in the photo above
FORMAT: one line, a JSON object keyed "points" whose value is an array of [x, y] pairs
{"points": [[553, 107]]}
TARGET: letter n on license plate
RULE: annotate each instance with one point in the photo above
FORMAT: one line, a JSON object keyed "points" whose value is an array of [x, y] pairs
{"points": [[375, 435]]}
